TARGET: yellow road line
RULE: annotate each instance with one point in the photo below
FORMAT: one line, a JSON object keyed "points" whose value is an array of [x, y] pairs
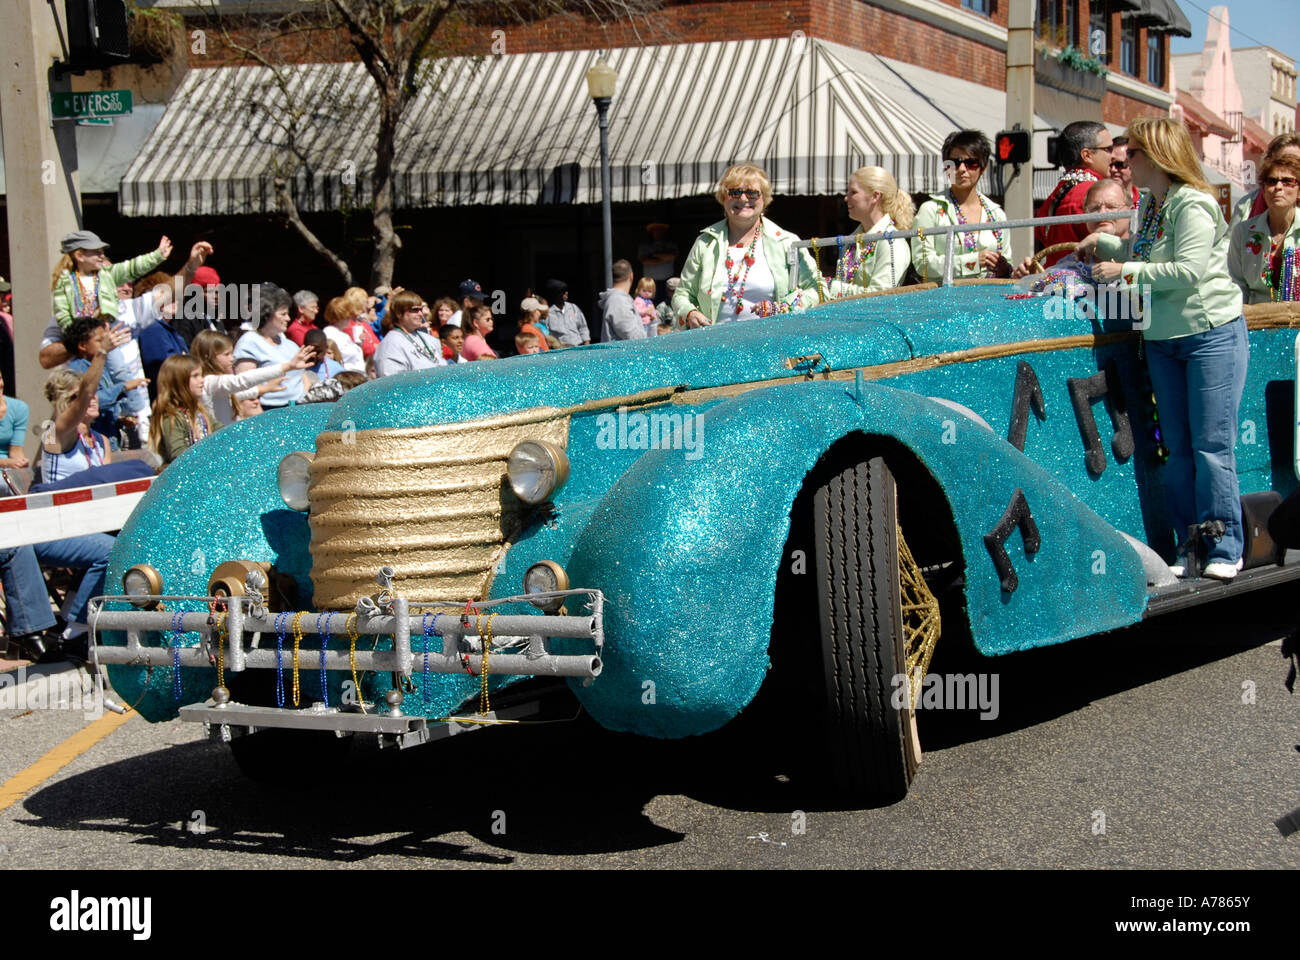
{"points": [[18, 786]]}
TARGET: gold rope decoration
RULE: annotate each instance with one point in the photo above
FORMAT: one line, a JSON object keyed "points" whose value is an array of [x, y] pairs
{"points": [[921, 624]]}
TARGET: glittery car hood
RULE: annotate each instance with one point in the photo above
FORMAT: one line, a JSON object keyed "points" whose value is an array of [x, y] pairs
{"points": [[845, 334]]}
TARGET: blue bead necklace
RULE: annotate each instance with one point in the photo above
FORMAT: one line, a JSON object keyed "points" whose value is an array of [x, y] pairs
{"points": [[177, 619], [281, 619], [324, 642]]}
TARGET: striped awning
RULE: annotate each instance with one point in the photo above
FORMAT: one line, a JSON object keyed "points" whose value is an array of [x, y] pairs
{"points": [[521, 129]]}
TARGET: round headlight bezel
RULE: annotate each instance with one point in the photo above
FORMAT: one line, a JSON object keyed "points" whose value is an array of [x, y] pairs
{"points": [[153, 584], [558, 468], [561, 582], [297, 497]]}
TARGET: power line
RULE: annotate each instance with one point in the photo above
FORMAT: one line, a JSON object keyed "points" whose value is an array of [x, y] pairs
{"points": [[1230, 26]]}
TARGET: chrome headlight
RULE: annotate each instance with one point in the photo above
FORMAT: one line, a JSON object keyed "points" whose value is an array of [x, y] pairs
{"points": [[292, 478], [546, 577], [536, 469], [142, 580]]}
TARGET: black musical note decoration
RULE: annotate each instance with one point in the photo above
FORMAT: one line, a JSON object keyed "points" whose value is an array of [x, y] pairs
{"points": [[1028, 394], [1105, 385], [1017, 515]]}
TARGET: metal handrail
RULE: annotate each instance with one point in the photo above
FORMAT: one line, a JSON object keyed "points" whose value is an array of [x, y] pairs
{"points": [[947, 231]]}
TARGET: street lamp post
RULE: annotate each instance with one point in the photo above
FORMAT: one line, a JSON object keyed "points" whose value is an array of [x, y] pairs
{"points": [[601, 80]]}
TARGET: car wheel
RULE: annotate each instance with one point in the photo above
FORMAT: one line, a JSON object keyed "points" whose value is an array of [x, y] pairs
{"points": [[878, 624]]}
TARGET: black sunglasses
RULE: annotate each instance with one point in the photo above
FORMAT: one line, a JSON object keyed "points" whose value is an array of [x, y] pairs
{"points": [[1275, 181], [747, 194], [1119, 164], [970, 163]]}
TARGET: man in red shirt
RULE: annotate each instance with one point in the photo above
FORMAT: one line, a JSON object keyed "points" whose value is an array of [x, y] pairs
{"points": [[1085, 147]]}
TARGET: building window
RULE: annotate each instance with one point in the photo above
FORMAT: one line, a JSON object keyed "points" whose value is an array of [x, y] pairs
{"points": [[1128, 47], [978, 6], [1071, 22], [1155, 60], [1098, 32]]}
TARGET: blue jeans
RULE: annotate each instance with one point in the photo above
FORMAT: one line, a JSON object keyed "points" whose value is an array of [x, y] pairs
{"points": [[1198, 381], [89, 553], [26, 599]]}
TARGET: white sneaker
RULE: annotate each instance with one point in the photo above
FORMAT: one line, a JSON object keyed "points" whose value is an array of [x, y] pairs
{"points": [[1222, 569], [1178, 570]]}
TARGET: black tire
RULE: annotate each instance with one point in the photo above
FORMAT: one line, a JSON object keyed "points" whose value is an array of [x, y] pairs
{"points": [[870, 747], [290, 758]]}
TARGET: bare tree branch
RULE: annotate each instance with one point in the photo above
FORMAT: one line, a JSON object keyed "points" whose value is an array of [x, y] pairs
{"points": [[290, 211]]}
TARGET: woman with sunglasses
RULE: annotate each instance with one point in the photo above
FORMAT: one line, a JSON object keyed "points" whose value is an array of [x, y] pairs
{"points": [[1262, 254], [1193, 329], [986, 253], [739, 268], [1254, 203]]}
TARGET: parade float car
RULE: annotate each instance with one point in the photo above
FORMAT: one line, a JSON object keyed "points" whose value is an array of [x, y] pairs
{"points": [[811, 501]]}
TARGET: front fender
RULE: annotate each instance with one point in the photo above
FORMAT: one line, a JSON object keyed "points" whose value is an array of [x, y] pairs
{"points": [[687, 551]]}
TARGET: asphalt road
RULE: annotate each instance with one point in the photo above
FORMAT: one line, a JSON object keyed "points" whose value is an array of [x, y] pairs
{"points": [[1146, 727]]}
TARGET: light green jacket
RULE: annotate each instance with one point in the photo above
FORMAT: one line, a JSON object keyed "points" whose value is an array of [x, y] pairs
{"points": [[883, 269], [704, 277], [127, 271], [1248, 255], [928, 252], [1190, 288]]}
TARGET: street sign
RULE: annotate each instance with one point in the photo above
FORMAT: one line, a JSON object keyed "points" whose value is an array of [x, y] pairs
{"points": [[65, 105], [95, 122]]}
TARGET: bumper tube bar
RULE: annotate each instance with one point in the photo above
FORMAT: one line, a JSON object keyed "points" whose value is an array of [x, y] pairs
{"points": [[524, 636]]}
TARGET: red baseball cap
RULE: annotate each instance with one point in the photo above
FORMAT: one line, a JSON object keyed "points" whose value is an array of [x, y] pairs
{"points": [[206, 277]]}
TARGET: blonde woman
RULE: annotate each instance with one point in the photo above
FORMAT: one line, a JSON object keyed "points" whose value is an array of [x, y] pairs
{"points": [[966, 154], [876, 203], [1195, 334], [738, 268]]}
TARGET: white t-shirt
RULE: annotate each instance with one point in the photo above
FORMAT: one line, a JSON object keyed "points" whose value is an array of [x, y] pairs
{"points": [[759, 284], [351, 354], [400, 351], [454, 319], [254, 346]]}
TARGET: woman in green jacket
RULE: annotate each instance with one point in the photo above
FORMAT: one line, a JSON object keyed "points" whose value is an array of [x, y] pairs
{"points": [[966, 154], [1264, 253], [875, 202], [739, 268], [1193, 328]]}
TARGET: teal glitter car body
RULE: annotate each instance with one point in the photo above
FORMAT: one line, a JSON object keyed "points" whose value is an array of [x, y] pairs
{"points": [[688, 542]]}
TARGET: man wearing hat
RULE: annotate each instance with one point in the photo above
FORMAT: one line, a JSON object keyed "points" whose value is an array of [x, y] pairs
{"points": [[565, 319], [471, 295], [87, 282]]}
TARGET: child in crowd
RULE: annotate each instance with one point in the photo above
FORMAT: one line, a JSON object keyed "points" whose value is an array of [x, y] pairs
{"points": [[179, 419], [481, 322], [453, 343], [665, 327], [223, 388], [323, 365], [248, 407], [85, 282], [527, 343], [645, 305]]}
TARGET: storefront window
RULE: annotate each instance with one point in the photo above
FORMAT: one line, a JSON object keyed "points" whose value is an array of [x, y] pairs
{"points": [[1128, 48]]}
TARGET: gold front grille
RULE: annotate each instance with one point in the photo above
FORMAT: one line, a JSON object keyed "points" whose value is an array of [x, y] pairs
{"points": [[431, 502]]}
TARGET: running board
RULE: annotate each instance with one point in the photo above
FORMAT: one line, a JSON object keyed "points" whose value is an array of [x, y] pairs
{"points": [[1191, 593]]}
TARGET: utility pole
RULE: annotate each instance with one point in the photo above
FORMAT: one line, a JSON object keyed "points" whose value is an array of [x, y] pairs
{"points": [[41, 191], [1019, 199]]}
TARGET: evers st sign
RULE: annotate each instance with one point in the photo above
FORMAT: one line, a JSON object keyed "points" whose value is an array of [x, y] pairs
{"points": [[96, 103]]}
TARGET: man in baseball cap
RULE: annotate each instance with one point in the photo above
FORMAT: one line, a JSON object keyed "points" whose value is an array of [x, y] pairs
{"points": [[471, 295]]}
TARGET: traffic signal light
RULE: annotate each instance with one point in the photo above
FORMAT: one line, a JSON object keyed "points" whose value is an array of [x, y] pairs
{"points": [[97, 34], [1012, 146]]}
